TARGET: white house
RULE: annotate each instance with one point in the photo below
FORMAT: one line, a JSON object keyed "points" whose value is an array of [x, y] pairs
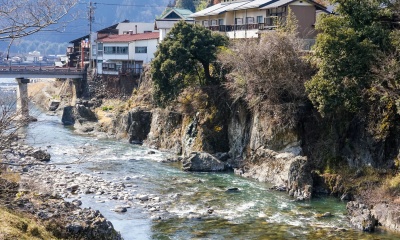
{"points": [[249, 18], [120, 54], [171, 16]]}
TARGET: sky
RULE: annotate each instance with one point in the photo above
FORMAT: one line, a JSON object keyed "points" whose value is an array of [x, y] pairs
{"points": [[106, 13]]}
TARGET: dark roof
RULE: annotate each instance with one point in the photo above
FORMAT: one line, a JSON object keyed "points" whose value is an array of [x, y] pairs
{"points": [[79, 39]]}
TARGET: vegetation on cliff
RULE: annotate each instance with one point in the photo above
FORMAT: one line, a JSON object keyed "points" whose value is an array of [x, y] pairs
{"points": [[187, 56]]}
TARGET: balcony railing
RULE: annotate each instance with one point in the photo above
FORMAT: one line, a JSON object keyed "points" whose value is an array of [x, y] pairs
{"points": [[268, 24]]}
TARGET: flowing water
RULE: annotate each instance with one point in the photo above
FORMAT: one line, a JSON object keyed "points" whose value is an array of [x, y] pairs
{"points": [[253, 212]]}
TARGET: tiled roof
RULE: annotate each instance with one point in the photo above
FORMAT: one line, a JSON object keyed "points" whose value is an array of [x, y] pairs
{"points": [[130, 37], [248, 4]]}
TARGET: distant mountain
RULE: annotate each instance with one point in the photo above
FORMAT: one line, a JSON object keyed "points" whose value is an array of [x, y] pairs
{"points": [[106, 13]]}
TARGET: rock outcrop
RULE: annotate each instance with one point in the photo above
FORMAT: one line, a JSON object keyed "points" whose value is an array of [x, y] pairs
{"points": [[284, 170], [388, 215], [361, 216], [202, 162], [136, 124], [165, 131]]}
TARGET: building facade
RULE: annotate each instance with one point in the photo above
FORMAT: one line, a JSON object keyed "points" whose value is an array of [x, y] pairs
{"points": [[123, 54], [249, 18]]}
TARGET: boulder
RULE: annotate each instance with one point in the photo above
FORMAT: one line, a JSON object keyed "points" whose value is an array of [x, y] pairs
{"points": [[136, 123], [388, 215], [202, 162], [53, 105], [68, 116], [41, 155], [361, 216]]}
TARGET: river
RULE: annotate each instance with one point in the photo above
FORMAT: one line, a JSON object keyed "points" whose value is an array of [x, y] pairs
{"points": [[252, 212]]}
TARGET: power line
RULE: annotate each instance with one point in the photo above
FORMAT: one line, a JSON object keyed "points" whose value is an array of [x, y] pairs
{"points": [[126, 5]]}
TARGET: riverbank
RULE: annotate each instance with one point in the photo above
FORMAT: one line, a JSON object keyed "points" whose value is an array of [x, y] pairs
{"points": [[31, 209]]}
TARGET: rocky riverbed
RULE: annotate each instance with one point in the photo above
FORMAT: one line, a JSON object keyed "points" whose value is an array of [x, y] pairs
{"points": [[37, 196], [60, 181]]}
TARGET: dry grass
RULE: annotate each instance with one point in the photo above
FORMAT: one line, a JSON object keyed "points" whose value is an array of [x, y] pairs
{"points": [[11, 176], [17, 226]]}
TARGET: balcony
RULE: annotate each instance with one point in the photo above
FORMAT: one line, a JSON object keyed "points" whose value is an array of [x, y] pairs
{"points": [[267, 25]]}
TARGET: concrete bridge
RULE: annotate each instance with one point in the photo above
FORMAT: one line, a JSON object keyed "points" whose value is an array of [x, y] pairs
{"points": [[22, 75]]}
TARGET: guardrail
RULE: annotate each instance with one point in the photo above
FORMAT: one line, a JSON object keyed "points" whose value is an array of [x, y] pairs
{"points": [[42, 72]]}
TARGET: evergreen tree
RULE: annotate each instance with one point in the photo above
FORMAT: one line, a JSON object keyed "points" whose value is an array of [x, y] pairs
{"points": [[348, 45], [184, 57], [186, 4]]}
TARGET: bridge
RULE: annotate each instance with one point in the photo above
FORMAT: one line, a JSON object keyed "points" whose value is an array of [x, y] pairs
{"points": [[40, 72], [22, 74]]}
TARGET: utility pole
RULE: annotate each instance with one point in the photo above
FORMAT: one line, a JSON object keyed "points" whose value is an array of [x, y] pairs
{"points": [[91, 19]]}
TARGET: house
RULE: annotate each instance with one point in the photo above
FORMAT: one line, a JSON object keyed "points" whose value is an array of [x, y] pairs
{"points": [[85, 48], [249, 18], [34, 57], [169, 18], [123, 54], [78, 53]]}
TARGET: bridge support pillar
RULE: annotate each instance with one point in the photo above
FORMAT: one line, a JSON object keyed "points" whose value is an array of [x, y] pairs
{"points": [[22, 100]]}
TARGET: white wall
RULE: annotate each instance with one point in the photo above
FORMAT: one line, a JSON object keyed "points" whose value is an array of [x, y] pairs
{"points": [[140, 27], [151, 45]]}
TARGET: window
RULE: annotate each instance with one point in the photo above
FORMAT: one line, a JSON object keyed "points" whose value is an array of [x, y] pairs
{"points": [[205, 23], [239, 21], [140, 49], [109, 66], [250, 20], [280, 11], [220, 22], [214, 23], [115, 50], [260, 19]]}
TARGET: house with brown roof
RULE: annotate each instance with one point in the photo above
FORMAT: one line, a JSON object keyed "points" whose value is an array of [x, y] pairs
{"points": [[123, 54], [250, 18]]}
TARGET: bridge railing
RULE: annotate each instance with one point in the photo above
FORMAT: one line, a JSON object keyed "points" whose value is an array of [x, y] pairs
{"points": [[28, 69]]}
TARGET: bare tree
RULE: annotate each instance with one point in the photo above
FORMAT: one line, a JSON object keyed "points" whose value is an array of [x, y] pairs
{"points": [[266, 71], [20, 18]]}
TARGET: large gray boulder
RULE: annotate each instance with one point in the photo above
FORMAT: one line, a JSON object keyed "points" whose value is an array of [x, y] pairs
{"points": [[136, 124], [202, 162], [68, 116], [388, 215], [361, 216]]}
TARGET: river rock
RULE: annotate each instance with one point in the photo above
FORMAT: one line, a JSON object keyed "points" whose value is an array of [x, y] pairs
{"points": [[202, 162], [361, 217], [53, 105], [388, 215], [68, 116], [41, 155], [120, 209]]}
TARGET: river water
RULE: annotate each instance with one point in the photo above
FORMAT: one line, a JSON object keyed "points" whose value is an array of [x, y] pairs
{"points": [[253, 212]]}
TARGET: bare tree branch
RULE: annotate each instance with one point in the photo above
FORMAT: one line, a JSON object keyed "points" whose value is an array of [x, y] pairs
{"points": [[20, 18]]}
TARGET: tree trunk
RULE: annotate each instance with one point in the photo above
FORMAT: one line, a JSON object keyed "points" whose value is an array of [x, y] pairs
{"points": [[207, 75]]}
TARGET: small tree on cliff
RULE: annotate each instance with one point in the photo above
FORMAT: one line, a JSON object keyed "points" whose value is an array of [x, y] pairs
{"points": [[348, 45], [185, 57]]}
